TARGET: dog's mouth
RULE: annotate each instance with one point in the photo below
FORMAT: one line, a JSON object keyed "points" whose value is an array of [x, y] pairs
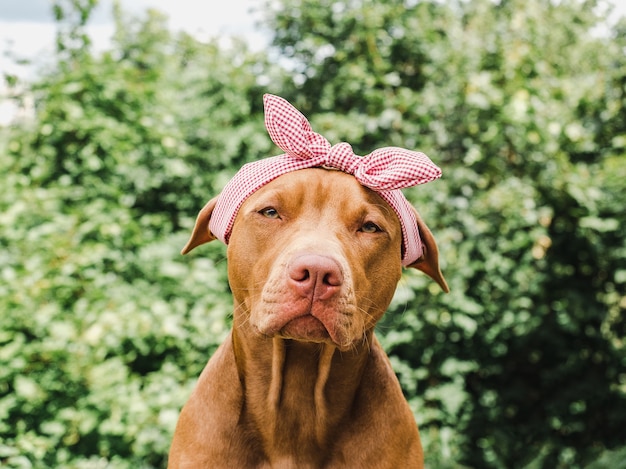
{"points": [[305, 328]]}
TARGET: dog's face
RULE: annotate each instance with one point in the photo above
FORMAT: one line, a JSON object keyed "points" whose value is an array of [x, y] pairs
{"points": [[314, 256]]}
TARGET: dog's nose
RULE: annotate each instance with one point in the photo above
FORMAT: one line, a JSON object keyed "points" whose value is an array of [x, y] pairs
{"points": [[315, 275]]}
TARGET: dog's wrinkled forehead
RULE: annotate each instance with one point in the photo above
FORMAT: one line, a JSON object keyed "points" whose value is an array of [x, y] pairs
{"points": [[386, 171]]}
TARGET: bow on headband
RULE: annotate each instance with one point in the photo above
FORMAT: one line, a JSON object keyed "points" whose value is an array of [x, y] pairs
{"points": [[385, 171]]}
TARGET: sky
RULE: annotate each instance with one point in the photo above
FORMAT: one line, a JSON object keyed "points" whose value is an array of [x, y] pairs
{"points": [[27, 26]]}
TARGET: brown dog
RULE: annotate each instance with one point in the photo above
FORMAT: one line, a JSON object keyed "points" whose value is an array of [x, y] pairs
{"points": [[302, 382]]}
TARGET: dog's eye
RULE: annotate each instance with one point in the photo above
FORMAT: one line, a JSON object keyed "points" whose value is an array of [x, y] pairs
{"points": [[269, 212], [370, 227]]}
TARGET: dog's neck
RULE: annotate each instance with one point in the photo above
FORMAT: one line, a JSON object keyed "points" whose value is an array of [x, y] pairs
{"points": [[287, 382]]}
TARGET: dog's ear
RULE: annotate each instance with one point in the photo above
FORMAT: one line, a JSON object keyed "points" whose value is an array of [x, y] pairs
{"points": [[201, 233], [429, 262]]}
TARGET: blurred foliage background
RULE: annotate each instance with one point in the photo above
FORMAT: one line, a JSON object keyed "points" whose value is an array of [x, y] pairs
{"points": [[105, 327]]}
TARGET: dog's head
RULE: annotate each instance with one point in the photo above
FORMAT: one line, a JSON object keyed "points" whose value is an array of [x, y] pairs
{"points": [[318, 236], [315, 256]]}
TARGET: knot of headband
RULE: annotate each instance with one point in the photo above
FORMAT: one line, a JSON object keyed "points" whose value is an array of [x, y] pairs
{"points": [[386, 171]]}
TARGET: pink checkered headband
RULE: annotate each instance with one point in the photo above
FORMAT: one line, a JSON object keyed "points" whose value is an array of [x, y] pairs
{"points": [[385, 171]]}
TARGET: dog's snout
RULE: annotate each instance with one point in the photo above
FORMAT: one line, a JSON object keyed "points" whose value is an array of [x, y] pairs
{"points": [[315, 275]]}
